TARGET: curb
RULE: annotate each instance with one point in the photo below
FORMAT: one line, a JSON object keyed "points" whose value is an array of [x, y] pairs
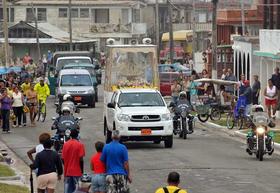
{"points": [[10, 178], [232, 132]]}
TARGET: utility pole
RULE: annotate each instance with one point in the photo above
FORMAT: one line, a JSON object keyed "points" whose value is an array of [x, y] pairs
{"points": [[157, 29], [171, 39], [37, 32], [243, 17], [70, 25], [6, 33], [214, 38], [194, 40]]}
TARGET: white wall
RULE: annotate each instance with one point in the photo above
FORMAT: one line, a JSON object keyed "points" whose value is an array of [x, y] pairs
{"points": [[270, 41]]}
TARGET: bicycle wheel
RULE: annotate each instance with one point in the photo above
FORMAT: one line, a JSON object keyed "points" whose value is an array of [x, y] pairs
{"points": [[215, 114], [43, 112], [39, 112], [230, 120]]}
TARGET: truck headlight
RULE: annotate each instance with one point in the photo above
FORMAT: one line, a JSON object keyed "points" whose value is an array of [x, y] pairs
{"points": [[260, 130], [166, 117], [123, 117], [90, 91]]}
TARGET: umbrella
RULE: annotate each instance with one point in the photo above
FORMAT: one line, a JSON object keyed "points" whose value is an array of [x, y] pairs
{"points": [[14, 69], [216, 81]]}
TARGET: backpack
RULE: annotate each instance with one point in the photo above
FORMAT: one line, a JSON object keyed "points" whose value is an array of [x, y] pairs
{"points": [[166, 190]]}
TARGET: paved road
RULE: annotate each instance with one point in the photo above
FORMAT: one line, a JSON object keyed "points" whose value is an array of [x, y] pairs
{"points": [[208, 163]]}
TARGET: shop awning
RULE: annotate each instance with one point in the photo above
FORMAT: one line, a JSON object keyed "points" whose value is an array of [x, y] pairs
{"points": [[177, 35], [271, 55]]}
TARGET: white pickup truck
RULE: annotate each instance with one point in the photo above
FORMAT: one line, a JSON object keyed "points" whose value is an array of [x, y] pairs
{"points": [[139, 115]]}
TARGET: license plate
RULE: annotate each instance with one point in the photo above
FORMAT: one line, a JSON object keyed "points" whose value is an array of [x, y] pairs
{"points": [[77, 98], [146, 131]]}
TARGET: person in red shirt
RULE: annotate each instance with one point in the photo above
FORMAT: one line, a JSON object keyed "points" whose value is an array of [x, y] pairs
{"points": [[72, 155], [26, 59], [98, 182]]}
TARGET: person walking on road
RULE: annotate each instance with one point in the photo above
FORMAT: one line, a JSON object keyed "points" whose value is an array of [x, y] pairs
{"points": [[17, 105], [49, 167], [40, 147], [276, 82], [98, 183], [31, 96], [6, 105], [173, 182], [115, 157], [230, 77], [270, 94], [72, 154], [256, 90]]}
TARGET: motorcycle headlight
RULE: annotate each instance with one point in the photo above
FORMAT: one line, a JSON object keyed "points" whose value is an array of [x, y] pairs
{"points": [[67, 133], [166, 117], [123, 117], [260, 130]]}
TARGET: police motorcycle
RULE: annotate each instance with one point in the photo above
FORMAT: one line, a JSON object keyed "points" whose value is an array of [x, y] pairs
{"points": [[67, 100], [183, 121], [63, 126], [260, 139]]}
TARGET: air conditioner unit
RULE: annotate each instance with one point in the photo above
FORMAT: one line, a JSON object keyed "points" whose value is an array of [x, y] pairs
{"points": [[133, 41], [110, 41]]}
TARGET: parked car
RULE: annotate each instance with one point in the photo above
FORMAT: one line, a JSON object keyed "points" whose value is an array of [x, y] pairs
{"points": [[166, 79], [176, 67]]}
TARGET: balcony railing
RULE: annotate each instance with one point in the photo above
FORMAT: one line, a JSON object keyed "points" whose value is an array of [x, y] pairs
{"points": [[133, 28], [189, 26]]}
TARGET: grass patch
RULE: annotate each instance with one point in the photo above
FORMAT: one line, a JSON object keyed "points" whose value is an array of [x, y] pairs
{"points": [[5, 171], [221, 122], [277, 137], [6, 188]]}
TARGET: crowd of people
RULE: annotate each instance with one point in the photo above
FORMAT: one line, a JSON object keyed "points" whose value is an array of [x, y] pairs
{"points": [[227, 93], [109, 165], [20, 94]]}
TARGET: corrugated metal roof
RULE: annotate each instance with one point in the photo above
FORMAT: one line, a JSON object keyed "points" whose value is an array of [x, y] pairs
{"points": [[125, 3], [52, 31], [31, 41]]}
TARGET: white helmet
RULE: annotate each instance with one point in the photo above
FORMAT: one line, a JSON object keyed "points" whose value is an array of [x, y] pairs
{"points": [[66, 108], [66, 96], [182, 94]]}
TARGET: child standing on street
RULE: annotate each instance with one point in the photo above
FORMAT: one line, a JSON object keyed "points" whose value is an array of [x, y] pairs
{"points": [[98, 183]]}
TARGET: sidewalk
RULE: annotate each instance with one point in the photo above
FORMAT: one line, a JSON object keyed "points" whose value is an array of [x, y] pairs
{"points": [[21, 170]]}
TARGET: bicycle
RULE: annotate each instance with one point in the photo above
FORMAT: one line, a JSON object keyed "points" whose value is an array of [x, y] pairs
{"points": [[42, 110], [238, 116]]}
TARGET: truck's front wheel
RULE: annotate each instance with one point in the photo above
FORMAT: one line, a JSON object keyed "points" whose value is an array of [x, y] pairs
{"points": [[168, 143]]}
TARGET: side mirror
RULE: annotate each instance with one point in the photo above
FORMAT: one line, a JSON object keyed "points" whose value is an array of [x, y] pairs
{"points": [[111, 105], [56, 104], [97, 67], [79, 118], [172, 104], [53, 118]]}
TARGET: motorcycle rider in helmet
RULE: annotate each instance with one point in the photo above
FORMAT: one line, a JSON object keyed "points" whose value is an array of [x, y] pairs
{"points": [[183, 101], [64, 120], [67, 101], [251, 134]]}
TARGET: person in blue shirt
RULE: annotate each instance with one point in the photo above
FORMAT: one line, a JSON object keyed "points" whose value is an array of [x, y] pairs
{"points": [[115, 157]]}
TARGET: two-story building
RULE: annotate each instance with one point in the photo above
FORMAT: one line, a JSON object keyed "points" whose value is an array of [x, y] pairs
{"points": [[95, 20]]}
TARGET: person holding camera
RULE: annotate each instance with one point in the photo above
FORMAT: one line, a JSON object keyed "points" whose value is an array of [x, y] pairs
{"points": [[49, 167]]}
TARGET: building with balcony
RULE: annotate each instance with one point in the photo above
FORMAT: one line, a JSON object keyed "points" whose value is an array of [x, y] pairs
{"points": [[91, 19]]}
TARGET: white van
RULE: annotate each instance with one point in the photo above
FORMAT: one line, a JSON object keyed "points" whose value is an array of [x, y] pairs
{"points": [[78, 83]]}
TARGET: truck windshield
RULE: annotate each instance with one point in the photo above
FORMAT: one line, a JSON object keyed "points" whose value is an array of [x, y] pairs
{"points": [[62, 62], [132, 68], [76, 80], [140, 100]]}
